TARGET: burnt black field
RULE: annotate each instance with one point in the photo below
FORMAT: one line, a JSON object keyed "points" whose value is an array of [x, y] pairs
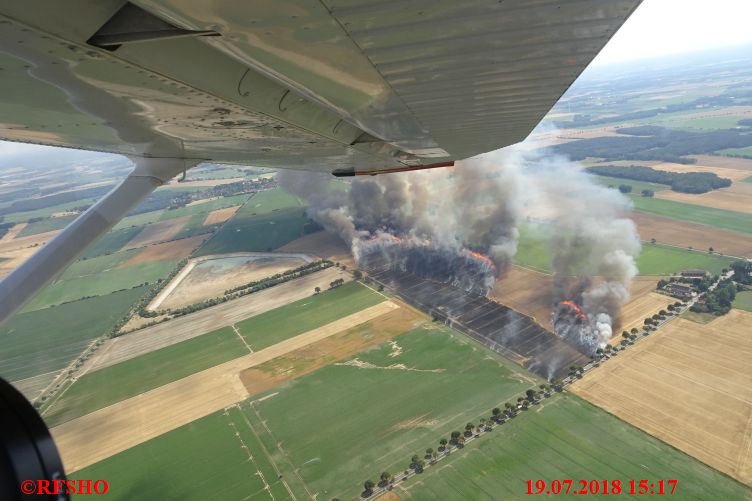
{"points": [[498, 327]]}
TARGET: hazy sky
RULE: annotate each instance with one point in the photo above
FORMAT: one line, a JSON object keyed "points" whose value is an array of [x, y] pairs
{"points": [[661, 27]]}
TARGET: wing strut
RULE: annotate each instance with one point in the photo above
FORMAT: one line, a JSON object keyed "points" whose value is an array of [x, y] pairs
{"points": [[42, 267]]}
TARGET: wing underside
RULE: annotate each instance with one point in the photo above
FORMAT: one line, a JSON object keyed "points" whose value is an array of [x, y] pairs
{"points": [[330, 85]]}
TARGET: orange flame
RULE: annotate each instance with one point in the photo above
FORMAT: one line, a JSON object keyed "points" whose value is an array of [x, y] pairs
{"points": [[481, 257], [576, 309]]}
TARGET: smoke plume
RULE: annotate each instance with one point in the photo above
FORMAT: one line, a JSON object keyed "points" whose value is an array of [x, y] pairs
{"points": [[462, 225]]}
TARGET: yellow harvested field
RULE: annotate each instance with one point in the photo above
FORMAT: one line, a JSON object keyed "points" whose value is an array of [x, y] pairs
{"points": [[684, 234], [530, 292], [737, 197], [176, 249], [220, 215], [15, 230], [15, 251], [689, 385], [724, 162], [99, 435], [733, 174], [639, 308], [26, 242], [153, 233], [527, 291]]}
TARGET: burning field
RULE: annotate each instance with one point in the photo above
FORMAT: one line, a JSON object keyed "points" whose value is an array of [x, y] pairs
{"points": [[444, 239]]}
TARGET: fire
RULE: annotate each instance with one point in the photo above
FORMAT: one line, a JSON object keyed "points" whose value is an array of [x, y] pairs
{"points": [[482, 258], [575, 308]]}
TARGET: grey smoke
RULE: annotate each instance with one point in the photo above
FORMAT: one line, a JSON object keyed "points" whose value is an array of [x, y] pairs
{"points": [[479, 205]]}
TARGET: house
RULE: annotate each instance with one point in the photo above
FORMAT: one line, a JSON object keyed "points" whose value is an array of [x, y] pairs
{"points": [[680, 291]]}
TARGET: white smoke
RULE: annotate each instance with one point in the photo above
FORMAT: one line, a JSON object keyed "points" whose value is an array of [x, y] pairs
{"points": [[479, 205]]}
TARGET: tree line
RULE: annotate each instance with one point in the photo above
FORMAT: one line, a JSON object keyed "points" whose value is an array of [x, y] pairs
{"points": [[684, 182], [457, 438], [650, 142]]}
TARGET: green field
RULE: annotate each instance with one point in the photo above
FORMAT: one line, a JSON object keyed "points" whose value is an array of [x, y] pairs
{"points": [[139, 220], [533, 252], [718, 218], [663, 260], [106, 386], [111, 242], [301, 316], [637, 186], [743, 300], [215, 457], [50, 224], [343, 424], [567, 439], [269, 220], [47, 340], [737, 152], [18, 217], [92, 266], [194, 226], [204, 208], [105, 282]]}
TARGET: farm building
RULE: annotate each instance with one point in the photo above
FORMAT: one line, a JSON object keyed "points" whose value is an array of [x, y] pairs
{"points": [[680, 291], [694, 273]]}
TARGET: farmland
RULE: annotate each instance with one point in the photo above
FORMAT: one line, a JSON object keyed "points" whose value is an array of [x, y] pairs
{"points": [[663, 260], [210, 276], [743, 301], [95, 390], [653, 260], [215, 457], [268, 220], [105, 282], [273, 326], [117, 382], [683, 234], [47, 340], [84, 441], [719, 218], [438, 381], [565, 439], [688, 384]]}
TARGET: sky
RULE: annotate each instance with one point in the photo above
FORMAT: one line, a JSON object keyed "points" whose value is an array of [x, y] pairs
{"points": [[664, 27]]}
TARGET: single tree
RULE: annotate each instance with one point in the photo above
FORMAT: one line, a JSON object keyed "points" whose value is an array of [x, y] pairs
{"points": [[317, 289], [469, 426], [495, 411], [369, 485], [429, 451]]}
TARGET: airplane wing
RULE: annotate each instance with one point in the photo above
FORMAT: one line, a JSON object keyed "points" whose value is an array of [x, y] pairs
{"points": [[341, 86], [318, 85]]}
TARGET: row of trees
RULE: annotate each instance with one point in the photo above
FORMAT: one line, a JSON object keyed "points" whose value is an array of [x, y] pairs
{"points": [[685, 182], [655, 143], [458, 438], [292, 273]]}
